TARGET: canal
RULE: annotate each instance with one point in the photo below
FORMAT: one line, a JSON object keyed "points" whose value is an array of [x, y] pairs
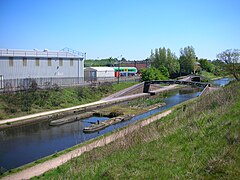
{"points": [[28, 143]]}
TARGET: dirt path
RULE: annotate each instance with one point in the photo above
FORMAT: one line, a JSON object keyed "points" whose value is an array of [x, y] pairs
{"points": [[53, 163]]}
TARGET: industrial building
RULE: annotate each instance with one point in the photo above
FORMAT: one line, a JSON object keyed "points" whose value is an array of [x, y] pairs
{"points": [[18, 66], [98, 73]]}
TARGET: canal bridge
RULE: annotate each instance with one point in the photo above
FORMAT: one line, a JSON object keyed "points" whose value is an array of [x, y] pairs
{"points": [[182, 82]]}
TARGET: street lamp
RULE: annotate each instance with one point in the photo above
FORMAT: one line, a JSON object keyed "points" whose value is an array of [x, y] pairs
{"points": [[119, 67]]}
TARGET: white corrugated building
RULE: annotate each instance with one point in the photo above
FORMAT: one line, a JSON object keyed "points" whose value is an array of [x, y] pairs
{"points": [[22, 64], [98, 73]]}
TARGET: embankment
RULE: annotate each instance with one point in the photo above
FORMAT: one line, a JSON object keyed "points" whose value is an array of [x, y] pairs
{"points": [[55, 162], [200, 139]]}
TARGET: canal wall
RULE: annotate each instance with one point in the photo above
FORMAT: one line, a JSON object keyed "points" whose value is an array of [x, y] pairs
{"points": [[53, 163], [76, 110], [61, 113]]}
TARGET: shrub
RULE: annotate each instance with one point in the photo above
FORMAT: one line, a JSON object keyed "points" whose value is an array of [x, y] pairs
{"points": [[33, 85], [56, 87], [115, 113], [105, 87], [152, 74]]}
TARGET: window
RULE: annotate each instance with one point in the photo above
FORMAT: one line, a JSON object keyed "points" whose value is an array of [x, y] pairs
{"points": [[10, 61], [24, 61], [37, 62], [71, 62], [60, 62], [49, 62]]}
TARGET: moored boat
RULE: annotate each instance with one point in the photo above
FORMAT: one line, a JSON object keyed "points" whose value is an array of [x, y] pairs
{"points": [[98, 126], [95, 127]]}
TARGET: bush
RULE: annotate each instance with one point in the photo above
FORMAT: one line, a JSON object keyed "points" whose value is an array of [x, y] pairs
{"points": [[42, 97], [164, 71], [105, 87], [27, 99], [33, 85], [83, 92], [56, 87], [115, 113], [152, 74]]}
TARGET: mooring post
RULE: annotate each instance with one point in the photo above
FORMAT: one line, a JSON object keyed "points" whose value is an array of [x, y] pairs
{"points": [[146, 86]]}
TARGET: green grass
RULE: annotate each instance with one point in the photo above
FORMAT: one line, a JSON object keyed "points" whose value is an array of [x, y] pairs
{"points": [[23, 103], [200, 141], [209, 76], [123, 85], [148, 101]]}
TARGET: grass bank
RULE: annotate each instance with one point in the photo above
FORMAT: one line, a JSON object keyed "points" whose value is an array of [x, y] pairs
{"points": [[209, 76], [199, 140], [23, 103]]}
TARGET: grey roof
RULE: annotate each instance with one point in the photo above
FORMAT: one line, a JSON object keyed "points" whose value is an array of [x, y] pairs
{"points": [[36, 53], [101, 68]]}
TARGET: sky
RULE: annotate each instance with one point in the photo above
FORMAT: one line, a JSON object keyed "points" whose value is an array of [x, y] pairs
{"points": [[127, 28]]}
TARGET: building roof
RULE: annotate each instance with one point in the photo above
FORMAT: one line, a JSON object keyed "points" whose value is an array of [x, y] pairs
{"points": [[37, 53], [100, 68]]}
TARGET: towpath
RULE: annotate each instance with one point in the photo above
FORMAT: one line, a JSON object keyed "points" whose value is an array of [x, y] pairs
{"points": [[67, 109], [108, 100], [55, 162]]}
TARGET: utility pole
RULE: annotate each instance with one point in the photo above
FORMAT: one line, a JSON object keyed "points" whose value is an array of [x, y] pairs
{"points": [[119, 67]]}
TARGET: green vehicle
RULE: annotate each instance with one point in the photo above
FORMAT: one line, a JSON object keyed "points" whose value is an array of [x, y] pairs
{"points": [[125, 71]]}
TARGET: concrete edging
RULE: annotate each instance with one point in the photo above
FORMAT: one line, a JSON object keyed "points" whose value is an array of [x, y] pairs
{"points": [[53, 163]]}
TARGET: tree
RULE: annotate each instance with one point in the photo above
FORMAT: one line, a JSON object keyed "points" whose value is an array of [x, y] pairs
{"points": [[100, 62], [155, 58], [165, 61], [123, 60], [187, 59], [206, 65], [163, 56], [164, 71], [219, 68], [172, 64], [231, 57], [158, 58], [149, 74]]}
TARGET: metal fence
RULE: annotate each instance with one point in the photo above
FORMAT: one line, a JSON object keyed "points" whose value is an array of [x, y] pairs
{"points": [[11, 85]]}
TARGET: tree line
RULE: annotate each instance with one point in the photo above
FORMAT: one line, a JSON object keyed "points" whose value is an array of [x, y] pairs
{"points": [[165, 64]]}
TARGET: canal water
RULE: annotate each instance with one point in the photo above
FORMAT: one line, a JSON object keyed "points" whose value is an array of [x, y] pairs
{"points": [[222, 82], [27, 143]]}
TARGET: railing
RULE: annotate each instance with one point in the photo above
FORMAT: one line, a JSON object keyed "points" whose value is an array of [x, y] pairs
{"points": [[12, 85], [148, 83], [36, 53], [72, 51]]}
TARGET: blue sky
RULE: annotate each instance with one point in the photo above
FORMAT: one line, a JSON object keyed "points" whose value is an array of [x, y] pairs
{"points": [[131, 28]]}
